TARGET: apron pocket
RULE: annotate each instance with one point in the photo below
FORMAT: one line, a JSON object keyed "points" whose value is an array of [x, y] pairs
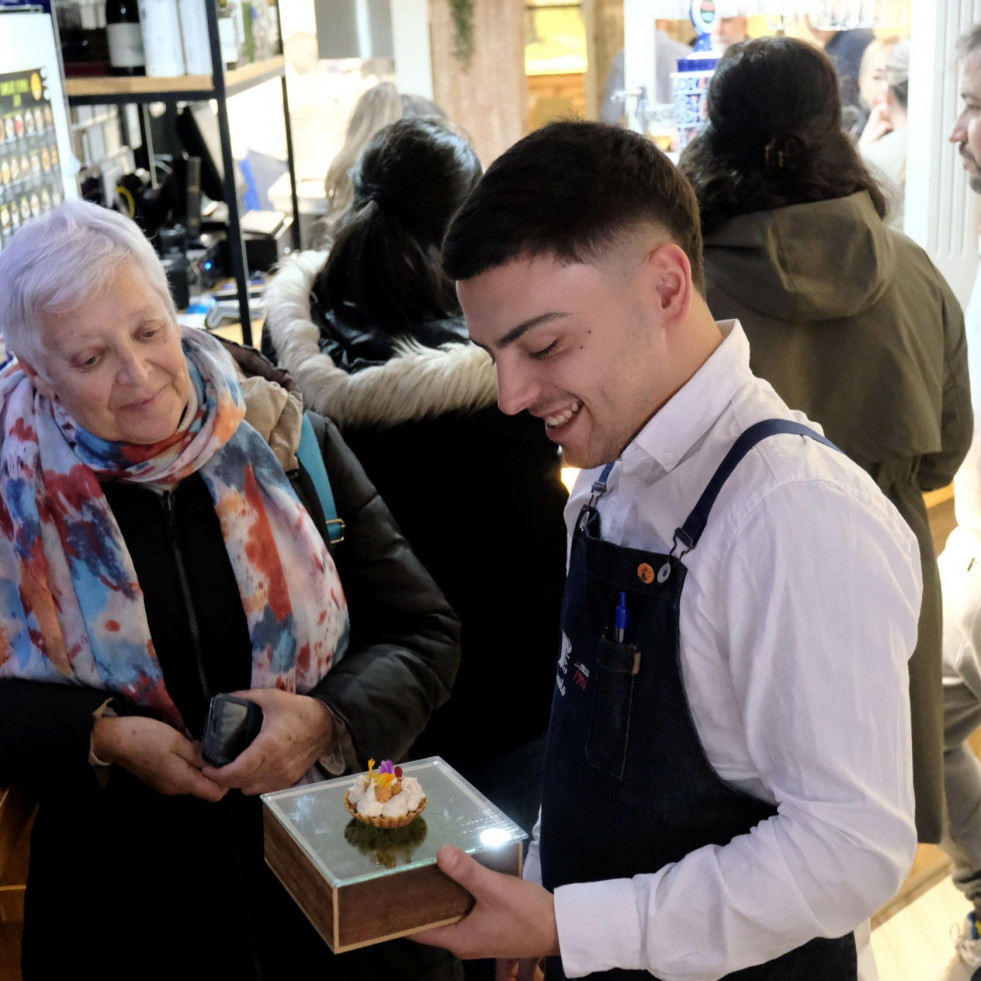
{"points": [[613, 691]]}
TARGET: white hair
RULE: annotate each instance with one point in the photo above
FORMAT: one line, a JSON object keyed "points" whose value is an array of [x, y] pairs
{"points": [[57, 261]]}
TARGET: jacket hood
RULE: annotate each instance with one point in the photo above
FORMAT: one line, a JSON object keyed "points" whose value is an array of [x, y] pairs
{"points": [[417, 382], [824, 260], [273, 403]]}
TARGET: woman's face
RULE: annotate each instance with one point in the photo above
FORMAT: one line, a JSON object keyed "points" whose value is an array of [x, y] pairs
{"points": [[874, 82], [116, 363]]}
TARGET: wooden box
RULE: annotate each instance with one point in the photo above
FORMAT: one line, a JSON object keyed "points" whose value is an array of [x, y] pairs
{"points": [[360, 885]]}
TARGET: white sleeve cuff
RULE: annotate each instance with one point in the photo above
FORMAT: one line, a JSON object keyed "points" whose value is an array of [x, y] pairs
{"points": [[598, 927]]}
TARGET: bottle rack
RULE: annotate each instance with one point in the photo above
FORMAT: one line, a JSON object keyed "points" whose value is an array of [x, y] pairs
{"points": [[222, 83]]}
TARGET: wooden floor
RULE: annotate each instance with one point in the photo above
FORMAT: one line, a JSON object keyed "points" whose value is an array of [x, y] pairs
{"points": [[915, 944]]}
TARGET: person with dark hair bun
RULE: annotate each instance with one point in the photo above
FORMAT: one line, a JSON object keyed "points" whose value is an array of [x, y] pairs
{"points": [[846, 318], [374, 331], [774, 135]]}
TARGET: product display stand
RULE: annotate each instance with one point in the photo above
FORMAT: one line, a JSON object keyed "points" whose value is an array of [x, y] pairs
{"points": [[200, 88]]}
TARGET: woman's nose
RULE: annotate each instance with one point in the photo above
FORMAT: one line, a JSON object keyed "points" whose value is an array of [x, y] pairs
{"points": [[133, 369]]}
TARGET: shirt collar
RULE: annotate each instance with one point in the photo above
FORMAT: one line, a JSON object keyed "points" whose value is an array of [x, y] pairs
{"points": [[692, 411]]}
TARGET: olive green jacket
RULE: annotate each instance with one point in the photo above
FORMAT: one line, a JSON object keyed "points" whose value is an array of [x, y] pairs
{"points": [[851, 323]]}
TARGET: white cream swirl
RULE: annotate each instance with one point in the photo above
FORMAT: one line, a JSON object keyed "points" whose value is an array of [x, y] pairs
{"points": [[363, 798]]}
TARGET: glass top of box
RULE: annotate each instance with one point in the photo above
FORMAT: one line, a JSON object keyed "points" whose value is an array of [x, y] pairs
{"points": [[347, 851]]}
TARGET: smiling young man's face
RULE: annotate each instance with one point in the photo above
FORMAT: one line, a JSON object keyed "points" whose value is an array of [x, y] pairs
{"points": [[578, 346]]}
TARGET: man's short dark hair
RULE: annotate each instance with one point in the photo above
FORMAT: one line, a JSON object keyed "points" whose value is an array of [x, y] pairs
{"points": [[573, 191]]}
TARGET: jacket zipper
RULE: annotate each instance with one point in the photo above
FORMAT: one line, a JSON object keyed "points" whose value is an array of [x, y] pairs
{"points": [[192, 619]]}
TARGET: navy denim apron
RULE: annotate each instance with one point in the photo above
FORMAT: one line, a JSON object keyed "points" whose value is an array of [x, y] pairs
{"points": [[628, 787]]}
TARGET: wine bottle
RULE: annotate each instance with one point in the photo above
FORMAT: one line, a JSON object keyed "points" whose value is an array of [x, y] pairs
{"points": [[126, 55]]}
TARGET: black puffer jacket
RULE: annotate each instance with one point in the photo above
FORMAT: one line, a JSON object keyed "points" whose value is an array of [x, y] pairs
{"points": [[127, 882]]}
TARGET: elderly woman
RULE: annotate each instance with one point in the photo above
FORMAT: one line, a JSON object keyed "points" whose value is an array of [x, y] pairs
{"points": [[848, 320], [157, 545]]}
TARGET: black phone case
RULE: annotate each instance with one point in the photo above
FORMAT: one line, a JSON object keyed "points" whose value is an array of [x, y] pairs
{"points": [[231, 725]]}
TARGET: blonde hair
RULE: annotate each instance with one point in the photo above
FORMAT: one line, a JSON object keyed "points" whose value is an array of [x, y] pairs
{"points": [[866, 65], [378, 106]]}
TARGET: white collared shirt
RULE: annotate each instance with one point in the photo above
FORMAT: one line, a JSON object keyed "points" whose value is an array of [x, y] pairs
{"points": [[798, 615]]}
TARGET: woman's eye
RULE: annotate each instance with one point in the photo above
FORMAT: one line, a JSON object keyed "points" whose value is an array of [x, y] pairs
{"points": [[90, 362], [545, 351]]}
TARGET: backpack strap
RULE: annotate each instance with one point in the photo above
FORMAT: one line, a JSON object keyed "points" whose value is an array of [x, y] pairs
{"points": [[312, 461]]}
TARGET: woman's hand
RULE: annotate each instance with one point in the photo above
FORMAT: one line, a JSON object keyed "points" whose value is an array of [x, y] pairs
{"points": [[879, 123], [158, 754], [296, 731]]}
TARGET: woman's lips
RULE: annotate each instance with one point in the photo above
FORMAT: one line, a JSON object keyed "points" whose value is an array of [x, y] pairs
{"points": [[143, 404]]}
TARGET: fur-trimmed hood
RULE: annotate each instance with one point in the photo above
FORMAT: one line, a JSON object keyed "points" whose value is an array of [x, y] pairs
{"points": [[418, 382]]}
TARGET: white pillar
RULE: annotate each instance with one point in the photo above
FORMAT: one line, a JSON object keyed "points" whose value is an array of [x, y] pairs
{"points": [[941, 210], [413, 55], [639, 65]]}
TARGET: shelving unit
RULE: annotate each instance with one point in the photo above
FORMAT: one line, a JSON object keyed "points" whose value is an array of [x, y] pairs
{"points": [[199, 88]]}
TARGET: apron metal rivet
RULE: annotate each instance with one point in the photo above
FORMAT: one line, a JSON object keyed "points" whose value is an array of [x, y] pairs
{"points": [[664, 572], [645, 573]]}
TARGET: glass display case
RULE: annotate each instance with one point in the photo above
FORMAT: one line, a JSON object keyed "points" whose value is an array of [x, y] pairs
{"points": [[359, 884]]}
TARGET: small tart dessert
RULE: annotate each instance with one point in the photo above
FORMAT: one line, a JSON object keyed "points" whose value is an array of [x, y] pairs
{"points": [[385, 798]]}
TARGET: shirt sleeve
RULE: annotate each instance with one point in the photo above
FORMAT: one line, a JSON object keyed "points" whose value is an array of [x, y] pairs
{"points": [[815, 620], [960, 575]]}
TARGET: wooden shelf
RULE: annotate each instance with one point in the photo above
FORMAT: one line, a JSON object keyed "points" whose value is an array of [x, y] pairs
{"points": [[139, 88]]}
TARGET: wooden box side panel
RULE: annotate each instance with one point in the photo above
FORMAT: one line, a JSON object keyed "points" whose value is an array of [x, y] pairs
{"points": [[310, 890], [382, 909], [368, 912]]}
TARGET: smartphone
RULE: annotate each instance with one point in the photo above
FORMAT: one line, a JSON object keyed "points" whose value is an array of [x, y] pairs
{"points": [[231, 725]]}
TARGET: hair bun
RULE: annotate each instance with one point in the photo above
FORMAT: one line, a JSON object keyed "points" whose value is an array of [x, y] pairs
{"points": [[365, 192]]}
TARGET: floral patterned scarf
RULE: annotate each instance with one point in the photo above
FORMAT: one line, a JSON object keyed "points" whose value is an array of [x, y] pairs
{"points": [[71, 608]]}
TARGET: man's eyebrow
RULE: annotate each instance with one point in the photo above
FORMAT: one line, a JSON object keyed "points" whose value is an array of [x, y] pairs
{"points": [[515, 333]]}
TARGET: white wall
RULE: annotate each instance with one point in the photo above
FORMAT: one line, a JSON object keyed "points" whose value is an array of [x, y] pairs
{"points": [[413, 58]]}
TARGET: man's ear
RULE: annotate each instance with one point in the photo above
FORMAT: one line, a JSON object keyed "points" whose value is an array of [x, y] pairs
{"points": [[670, 278], [37, 379]]}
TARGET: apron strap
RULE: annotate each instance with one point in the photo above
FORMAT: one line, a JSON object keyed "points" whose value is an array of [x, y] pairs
{"points": [[688, 534]]}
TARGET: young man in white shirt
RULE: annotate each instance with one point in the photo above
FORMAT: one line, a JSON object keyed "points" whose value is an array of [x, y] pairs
{"points": [[960, 575], [728, 780]]}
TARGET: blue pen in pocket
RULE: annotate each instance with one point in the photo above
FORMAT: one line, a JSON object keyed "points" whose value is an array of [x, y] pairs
{"points": [[621, 620]]}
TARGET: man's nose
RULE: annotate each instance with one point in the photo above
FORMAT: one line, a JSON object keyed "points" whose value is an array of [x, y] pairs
{"points": [[958, 133], [515, 388]]}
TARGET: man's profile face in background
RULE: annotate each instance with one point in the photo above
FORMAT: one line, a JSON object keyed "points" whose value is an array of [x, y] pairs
{"points": [[967, 130]]}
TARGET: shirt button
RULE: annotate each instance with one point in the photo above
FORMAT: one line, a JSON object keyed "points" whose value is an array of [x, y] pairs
{"points": [[668, 457]]}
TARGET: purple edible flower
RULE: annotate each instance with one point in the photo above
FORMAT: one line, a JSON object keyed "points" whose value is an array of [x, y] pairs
{"points": [[386, 767]]}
